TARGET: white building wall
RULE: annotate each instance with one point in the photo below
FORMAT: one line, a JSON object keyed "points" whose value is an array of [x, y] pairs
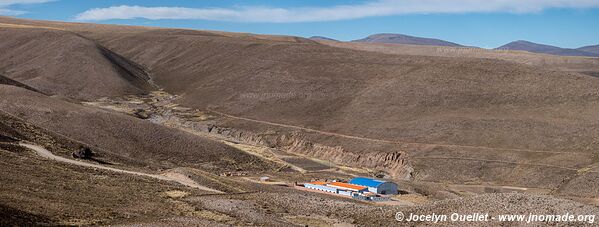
{"points": [[373, 189], [341, 192], [321, 188]]}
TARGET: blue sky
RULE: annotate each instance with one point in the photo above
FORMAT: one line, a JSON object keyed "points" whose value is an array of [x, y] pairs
{"points": [[488, 23]]}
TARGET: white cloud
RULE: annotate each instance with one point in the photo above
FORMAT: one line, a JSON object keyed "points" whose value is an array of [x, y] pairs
{"points": [[9, 12], [21, 2], [341, 12]]}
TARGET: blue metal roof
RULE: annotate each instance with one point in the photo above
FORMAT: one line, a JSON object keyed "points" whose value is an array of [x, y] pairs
{"points": [[367, 182]]}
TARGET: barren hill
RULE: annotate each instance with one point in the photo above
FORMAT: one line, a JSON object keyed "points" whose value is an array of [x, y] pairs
{"points": [[591, 49], [121, 138], [417, 99], [411, 99], [587, 65], [8, 81], [405, 39], [320, 38], [326, 88], [65, 63], [545, 49], [417, 113]]}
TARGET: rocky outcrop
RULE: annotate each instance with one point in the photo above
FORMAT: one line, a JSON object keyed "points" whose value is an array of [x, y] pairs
{"points": [[392, 164]]}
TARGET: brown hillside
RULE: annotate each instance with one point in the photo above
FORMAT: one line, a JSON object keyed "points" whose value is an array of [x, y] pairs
{"points": [[234, 108], [490, 115], [8, 81], [64, 63], [123, 138], [564, 63], [462, 101]]}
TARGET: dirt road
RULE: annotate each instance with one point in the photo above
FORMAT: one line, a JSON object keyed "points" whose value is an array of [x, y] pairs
{"points": [[169, 176], [416, 143], [382, 140]]}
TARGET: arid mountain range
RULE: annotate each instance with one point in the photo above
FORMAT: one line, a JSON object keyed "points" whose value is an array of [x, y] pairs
{"points": [[547, 49], [194, 120], [587, 51]]}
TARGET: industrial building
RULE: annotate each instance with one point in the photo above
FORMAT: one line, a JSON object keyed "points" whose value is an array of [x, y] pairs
{"points": [[347, 189], [358, 188], [337, 188], [321, 186], [376, 186]]}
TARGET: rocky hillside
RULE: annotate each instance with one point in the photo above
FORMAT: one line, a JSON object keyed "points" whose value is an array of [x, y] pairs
{"points": [[457, 119]]}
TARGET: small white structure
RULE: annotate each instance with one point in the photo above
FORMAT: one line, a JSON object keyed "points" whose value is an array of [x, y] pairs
{"points": [[264, 179]]}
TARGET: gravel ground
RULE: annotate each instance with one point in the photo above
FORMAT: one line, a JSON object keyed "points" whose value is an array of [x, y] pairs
{"points": [[506, 203]]}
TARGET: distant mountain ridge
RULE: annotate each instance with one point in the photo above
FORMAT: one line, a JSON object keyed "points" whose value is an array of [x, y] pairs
{"points": [[591, 49], [547, 49], [522, 45], [405, 39], [323, 38]]}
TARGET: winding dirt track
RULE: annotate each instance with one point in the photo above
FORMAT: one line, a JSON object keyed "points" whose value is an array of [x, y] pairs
{"points": [[382, 140], [170, 176]]}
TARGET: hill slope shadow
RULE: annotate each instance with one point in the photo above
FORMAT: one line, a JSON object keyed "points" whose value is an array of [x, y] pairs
{"points": [[68, 64]]}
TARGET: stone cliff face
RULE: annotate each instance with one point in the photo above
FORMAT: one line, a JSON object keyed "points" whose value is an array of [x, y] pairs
{"points": [[394, 163]]}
